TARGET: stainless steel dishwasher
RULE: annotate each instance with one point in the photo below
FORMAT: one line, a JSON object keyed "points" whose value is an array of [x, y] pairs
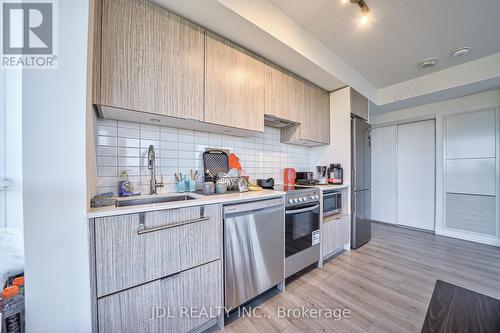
{"points": [[254, 249]]}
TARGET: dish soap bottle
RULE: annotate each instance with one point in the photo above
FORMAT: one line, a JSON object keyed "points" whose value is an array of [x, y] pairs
{"points": [[124, 185]]}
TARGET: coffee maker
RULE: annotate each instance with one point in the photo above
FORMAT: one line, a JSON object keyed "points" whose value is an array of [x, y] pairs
{"points": [[321, 175]]}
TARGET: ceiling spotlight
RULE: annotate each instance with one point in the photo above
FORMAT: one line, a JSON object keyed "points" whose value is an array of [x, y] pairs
{"points": [[461, 52], [365, 11], [364, 18], [428, 63]]}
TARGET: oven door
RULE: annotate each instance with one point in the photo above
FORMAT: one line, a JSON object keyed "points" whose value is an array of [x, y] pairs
{"points": [[332, 203], [301, 228]]}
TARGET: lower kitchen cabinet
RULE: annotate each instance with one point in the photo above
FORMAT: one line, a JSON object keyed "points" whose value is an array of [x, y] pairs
{"points": [[177, 303], [170, 259], [178, 239], [335, 233]]}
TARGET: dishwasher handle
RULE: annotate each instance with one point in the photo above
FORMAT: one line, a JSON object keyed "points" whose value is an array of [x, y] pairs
{"points": [[240, 209]]}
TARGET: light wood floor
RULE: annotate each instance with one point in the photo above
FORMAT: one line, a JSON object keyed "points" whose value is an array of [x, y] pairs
{"points": [[386, 284]]}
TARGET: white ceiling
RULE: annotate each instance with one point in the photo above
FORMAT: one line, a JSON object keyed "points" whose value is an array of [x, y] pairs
{"points": [[400, 34], [216, 17]]}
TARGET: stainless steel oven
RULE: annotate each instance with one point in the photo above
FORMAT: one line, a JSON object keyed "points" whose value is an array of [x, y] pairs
{"points": [[332, 202], [302, 237]]}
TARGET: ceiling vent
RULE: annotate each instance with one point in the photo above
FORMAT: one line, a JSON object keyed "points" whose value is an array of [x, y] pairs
{"points": [[428, 63]]}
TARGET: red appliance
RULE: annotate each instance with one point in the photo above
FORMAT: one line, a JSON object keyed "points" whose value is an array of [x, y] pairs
{"points": [[290, 176]]}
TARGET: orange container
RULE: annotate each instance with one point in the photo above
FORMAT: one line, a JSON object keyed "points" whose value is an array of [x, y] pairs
{"points": [[290, 175]]}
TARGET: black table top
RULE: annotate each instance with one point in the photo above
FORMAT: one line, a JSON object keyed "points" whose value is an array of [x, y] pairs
{"points": [[455, 309]]}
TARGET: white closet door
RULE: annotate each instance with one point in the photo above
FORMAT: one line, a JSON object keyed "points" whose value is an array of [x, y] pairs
{"points": [[416, 174], [384, 174]]}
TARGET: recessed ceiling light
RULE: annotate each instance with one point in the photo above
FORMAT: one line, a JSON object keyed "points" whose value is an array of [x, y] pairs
{"points": [[461, 52], [154, 120], [365, 11], [364, 18], [428, 63]]}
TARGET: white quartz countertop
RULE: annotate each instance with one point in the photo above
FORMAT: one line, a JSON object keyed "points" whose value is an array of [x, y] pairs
{"points": [[228, 198]]}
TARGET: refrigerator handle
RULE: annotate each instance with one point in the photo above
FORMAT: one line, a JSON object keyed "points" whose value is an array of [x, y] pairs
{"points": [[353, 204]]}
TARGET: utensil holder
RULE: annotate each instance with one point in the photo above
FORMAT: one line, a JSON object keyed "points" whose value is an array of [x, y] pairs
{"points": [[191, 185], [181, 186]]}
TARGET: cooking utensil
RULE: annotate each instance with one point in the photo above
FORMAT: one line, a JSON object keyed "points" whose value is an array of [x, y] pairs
{"points": [[266, 183], [208, 188]]}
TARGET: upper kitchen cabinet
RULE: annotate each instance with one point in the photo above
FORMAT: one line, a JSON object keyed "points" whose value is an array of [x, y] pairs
{"points": [[285, 95], [234, 85], [359, 105], [150, 60], [314, 128], [319, 122]]}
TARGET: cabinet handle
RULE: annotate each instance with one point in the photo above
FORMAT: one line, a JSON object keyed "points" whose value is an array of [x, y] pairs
{"points": [[143, 230]]}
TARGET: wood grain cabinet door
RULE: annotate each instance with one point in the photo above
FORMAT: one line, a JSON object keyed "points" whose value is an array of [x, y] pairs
{"points": [[334, 234], [174, 240], [234, 86], [319, 108], [177, 303], [151, 60], [285, 95]]}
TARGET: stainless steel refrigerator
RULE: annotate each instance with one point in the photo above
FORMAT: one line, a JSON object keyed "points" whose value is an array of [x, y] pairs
{"points": [[361, 229]]}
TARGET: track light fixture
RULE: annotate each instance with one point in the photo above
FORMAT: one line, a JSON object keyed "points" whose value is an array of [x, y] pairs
{"points": [[365, 11]]}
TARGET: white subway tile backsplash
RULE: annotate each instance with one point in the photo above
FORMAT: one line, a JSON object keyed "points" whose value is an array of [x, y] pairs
{"points": [[106, 141], [128, 142], [106, 130], [146, 143], [127, 124], [169, 136], [124, 146], [150, 135], [128, 132], [185, 132], [103, 171], [169, 145], [106, 122], [106, 161], [148, 127], [106, 151], [183, 138], [128, 152], [129, 162]]}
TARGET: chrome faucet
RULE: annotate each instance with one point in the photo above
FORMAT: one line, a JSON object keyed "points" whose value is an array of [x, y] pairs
{"points": [[153, 185]]}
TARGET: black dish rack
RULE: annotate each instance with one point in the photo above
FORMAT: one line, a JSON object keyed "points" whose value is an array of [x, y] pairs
{"points": [[215, 162]]}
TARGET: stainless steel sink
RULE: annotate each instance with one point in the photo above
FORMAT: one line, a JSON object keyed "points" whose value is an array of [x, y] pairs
{"points": [[149, 201]]}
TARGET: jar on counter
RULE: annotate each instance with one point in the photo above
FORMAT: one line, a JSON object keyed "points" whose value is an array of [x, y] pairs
{"points": [[336, 174]]}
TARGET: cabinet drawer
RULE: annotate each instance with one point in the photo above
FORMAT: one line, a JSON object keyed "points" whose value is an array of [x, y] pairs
{"points": [[133, 310], [138, 248]]}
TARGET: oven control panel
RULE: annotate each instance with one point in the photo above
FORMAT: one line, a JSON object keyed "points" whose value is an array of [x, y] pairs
{"points": [[302, 197]]}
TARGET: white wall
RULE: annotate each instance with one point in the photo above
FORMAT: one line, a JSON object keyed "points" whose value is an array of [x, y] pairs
{"points": [[339, 149], [55, 227], [12, 103], [439, 111]]}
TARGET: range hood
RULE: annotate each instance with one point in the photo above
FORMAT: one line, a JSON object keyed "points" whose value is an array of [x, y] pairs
{"points": [[273, 121]]}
